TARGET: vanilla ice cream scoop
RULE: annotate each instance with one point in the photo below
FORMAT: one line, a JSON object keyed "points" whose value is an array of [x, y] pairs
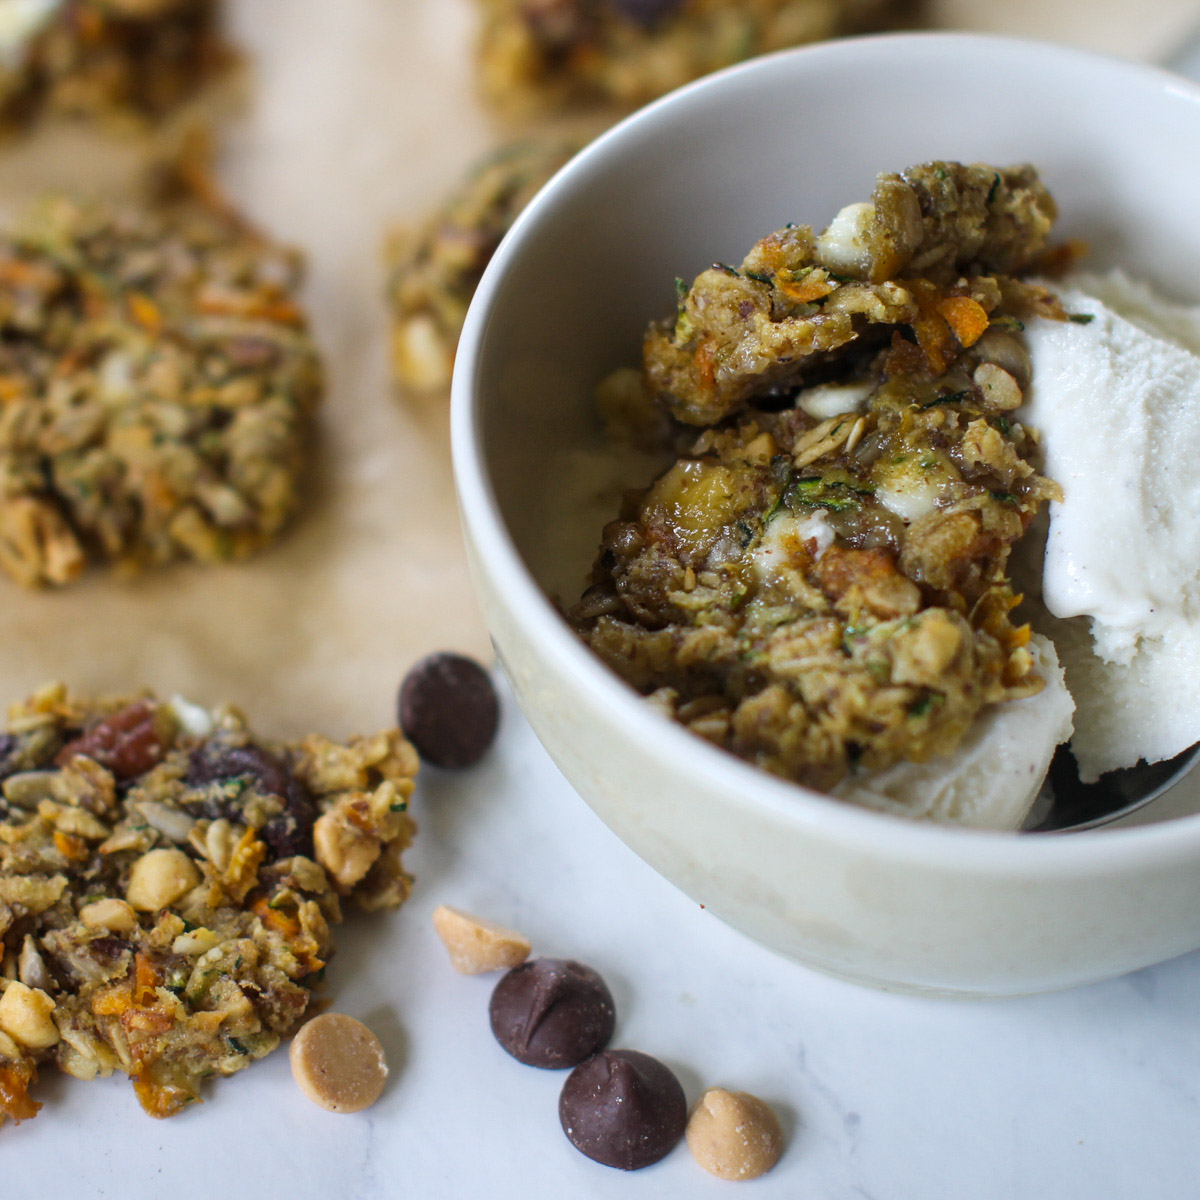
{"points": [[1116, 397]]}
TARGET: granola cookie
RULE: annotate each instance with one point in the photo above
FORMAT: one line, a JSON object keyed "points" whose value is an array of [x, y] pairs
{"points": [[433, 271], [105, 58], [552, 53], [819, 583], [157, 381], [168, 884]]}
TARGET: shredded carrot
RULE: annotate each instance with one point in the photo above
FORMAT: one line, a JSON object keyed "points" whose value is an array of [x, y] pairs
{"points": [[968, 318], [146, 981], [274, 918], [113, 1001], [812, 287], [706, 362], [70, 846], [145, 312], [15, 1101]]}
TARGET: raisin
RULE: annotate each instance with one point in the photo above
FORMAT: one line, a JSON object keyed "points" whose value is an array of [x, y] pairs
{"points": [[646, 13], [214, 762], [287, 834], [8, 748], [249, 353], [127, 743], [108, 946]]}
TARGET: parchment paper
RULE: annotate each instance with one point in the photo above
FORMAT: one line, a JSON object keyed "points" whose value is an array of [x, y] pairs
{"points": [[359, 113]]}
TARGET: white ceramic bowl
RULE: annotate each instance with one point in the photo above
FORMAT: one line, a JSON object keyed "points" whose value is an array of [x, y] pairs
{"points": [[697, 178]]}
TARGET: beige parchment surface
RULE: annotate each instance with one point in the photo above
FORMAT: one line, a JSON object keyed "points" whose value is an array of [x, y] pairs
{"points": [[357, 113]]}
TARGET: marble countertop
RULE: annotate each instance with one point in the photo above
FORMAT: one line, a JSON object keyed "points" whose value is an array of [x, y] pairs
{"points": [[1084, 1094]]}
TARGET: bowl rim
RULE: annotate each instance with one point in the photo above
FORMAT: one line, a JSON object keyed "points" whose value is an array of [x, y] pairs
{"points": [[744, 786]]}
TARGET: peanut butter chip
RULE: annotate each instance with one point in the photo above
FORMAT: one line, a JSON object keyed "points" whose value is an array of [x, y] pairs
{"points": [[338, 1063], [476, 944], [734, 1135]]}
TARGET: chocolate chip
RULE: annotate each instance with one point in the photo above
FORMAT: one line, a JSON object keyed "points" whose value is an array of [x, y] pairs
{"points": [[127, 743], [623, 1108], [288, 833], [448, 710], [552, 1012]]}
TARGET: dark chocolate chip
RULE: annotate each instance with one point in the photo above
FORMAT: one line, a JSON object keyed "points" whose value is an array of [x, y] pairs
{"points": [[551, 1012], [646, 13], [623, 1108], [288, 833], [448, 710]]}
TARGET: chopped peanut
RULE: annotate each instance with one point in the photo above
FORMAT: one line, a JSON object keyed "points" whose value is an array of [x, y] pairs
{"points": [[159, 878], [477, 944], [25, 1016], [114, 915], [346, 851]]}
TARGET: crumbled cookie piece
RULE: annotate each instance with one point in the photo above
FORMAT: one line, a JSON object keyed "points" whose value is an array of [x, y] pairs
{"points": [[106, 59], [734, 1135], [623, 1108], [819, 582], [338, 1063], [157, 381], [434, 270], [448, 709], [934, 250], [551, 53], [476, 944], [166, 896]]}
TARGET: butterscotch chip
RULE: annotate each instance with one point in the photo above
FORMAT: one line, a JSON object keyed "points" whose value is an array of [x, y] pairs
{"points": [[338, 1063], [734, 1135], [477, 944]]}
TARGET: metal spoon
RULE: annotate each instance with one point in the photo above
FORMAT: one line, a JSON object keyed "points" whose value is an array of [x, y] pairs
{"points": [[1066, 804]]}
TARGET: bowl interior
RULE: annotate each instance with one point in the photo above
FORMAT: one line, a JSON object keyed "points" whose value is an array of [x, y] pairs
{"points": [[697, 178]]}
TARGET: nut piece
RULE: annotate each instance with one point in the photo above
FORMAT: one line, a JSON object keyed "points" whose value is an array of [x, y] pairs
{"points": [[345, 850], [338, 1063], [127, 743], [734, 1135], [114, 915], [1000, 390], [159, 878], [477, 944], [25, 1016]]}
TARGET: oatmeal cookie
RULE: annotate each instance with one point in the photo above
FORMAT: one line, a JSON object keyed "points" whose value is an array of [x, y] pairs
{"points": [[819, 582], [168, 884], [551, 53], [433, 272], [105, 58], [931, 240], [157, 381]]}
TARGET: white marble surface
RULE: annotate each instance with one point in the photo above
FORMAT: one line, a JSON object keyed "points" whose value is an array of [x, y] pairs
{"points": [[1086, 1094]]}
